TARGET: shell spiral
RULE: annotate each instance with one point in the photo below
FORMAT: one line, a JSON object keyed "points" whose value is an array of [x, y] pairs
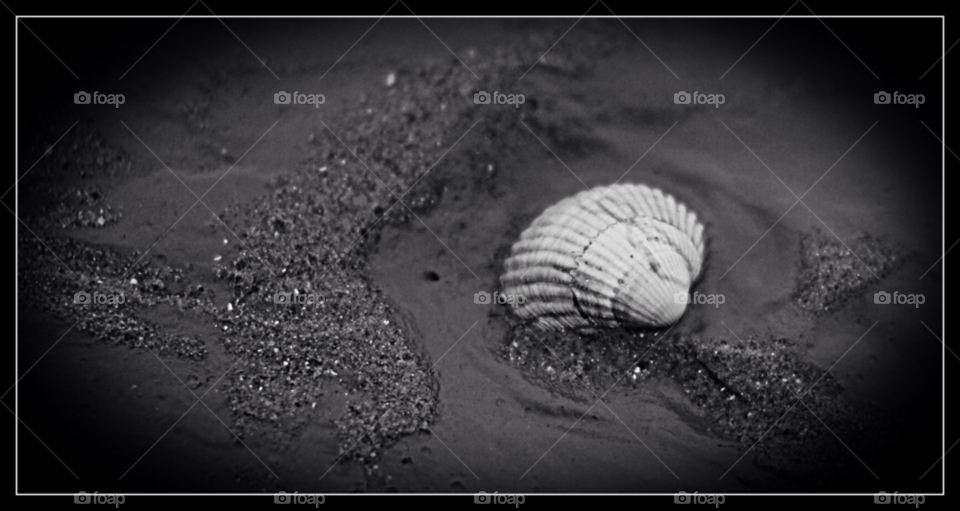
{"points": [[611, 256]]}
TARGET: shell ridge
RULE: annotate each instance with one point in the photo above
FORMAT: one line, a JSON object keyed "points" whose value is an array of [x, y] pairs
{"points": [[609, 256]]}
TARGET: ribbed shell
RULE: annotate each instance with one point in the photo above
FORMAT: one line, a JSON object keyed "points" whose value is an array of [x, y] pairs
{"points": [[610, 256]]}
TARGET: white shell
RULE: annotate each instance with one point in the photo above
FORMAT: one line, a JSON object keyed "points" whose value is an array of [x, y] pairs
{"points": [[611, 256]]}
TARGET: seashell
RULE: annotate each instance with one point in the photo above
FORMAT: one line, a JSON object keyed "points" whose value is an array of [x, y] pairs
{"points": [[611, 256]]}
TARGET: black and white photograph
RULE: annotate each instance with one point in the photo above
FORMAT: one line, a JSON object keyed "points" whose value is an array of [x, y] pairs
{"points": [[498, 255]]}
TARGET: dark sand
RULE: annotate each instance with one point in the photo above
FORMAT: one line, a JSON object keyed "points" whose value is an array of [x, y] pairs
{"points": [[100, 406]]}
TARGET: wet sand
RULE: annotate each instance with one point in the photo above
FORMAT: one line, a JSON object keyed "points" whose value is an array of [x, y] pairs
{"points": [[496, 427]]}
